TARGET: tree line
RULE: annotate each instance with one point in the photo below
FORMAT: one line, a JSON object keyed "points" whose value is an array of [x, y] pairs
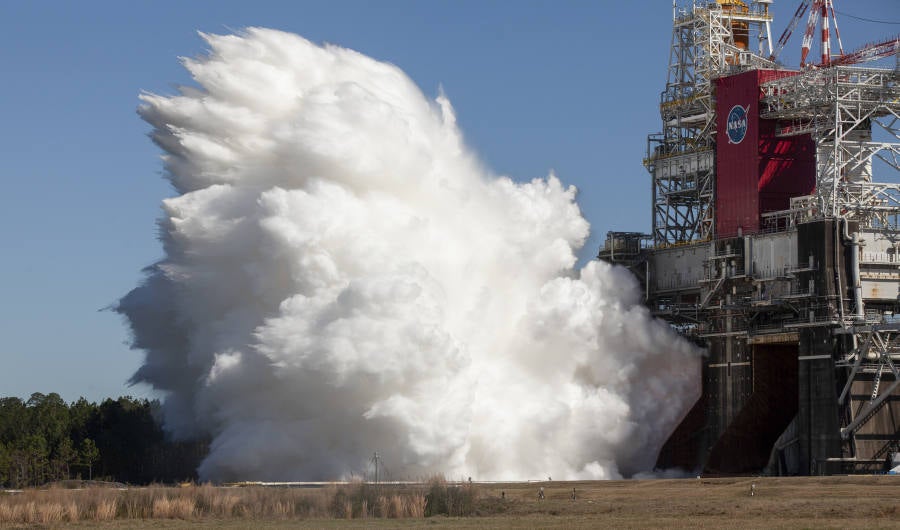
{"points": [[45, 439]]}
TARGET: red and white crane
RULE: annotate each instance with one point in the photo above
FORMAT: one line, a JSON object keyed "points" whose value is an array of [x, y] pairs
{"points": [[786, 36], [870, 52], [824, 9]]}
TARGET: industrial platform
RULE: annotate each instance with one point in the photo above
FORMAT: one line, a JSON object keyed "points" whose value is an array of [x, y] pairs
{"points": [[774, 246]]}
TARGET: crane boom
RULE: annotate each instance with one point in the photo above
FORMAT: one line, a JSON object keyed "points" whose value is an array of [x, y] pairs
{"points": [[837, 32], [871, 52], [786, 36], [811, 24], [825, 10]]}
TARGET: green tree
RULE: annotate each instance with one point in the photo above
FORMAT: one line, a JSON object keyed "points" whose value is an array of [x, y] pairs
{"points": [[80, 413], [42, 437], [126, 433], [89, 454], [49, 416], [63, 456], [18, 468], [13, 422], [4, 465], [36, 452]]}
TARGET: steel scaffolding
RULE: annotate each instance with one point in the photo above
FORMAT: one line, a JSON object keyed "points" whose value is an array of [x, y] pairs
{"points": [[804, 309], [681, 159], [873, 359], [840, 107]]}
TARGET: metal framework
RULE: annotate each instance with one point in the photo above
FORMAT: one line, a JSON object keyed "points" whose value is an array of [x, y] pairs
{"points": [[789, 30], [823, 9], [822, 276], [840, 107], [870, 52], [681, 159], [879, 346]]}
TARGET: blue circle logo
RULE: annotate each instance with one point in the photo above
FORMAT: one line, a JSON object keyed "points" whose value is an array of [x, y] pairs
{"points": [[736, 126]]}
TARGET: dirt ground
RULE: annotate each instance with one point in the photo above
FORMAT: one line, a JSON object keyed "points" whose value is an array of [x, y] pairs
{"points": [[815, 502]]}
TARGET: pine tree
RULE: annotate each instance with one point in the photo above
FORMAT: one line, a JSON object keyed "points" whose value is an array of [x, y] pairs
{"points": [[89, 454]]}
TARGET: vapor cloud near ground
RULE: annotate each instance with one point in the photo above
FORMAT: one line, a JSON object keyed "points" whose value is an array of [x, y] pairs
{"points": [[342, 276]]}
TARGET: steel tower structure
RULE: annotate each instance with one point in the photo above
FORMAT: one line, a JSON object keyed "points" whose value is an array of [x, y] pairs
{"points": [[708, 41], [775, 246], [839, 107]]}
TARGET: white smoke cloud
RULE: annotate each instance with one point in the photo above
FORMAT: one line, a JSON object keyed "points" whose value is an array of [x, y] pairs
{"points": [[342, 277]]}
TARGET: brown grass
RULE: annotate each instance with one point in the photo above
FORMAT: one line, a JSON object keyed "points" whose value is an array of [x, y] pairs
{"points": [[105, 510], [173, 508], [838, 502], [192, 502], [71, 510], [49, 513]]}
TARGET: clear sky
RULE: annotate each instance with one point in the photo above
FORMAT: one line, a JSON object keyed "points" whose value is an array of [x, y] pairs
{"points": [[537, 85]]}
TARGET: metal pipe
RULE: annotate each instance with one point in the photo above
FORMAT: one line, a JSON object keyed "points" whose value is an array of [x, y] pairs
{"points": [[857, 285], [647, 279], [837, 271], [854, 270]]}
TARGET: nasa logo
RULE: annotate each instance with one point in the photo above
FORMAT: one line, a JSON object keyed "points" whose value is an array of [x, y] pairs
{"points": [[737, 124]]}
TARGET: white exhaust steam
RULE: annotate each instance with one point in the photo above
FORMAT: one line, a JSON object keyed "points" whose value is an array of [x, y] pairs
{"points": [[342, 276]]}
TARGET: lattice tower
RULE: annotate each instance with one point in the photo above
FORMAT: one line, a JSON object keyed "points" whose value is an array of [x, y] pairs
{"points": [[841, 107], [681, 159]]}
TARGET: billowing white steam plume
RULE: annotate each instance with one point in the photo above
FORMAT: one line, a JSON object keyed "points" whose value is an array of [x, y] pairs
{"points": [[343, 277]]}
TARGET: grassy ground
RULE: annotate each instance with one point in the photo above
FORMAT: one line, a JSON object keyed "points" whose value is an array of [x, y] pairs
{"points": [[827, 502]]}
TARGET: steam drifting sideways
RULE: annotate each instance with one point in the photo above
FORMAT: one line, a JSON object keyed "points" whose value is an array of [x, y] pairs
{"points": [[342, 276]]}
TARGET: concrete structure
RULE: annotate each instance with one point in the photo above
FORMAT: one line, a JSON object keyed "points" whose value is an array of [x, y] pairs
{"points": [[774, 247]]}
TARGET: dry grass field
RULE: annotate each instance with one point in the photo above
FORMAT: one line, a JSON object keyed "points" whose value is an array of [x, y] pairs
{"points": [[820, 502]]}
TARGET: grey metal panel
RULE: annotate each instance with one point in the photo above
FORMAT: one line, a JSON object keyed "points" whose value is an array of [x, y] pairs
{"points": [[678, 268], [877, 247], [685, 164], [880, 289], [879, 263], [773, 254]]}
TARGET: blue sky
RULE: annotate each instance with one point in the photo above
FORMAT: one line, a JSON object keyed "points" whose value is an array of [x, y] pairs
{"points": [[537, 85]]}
